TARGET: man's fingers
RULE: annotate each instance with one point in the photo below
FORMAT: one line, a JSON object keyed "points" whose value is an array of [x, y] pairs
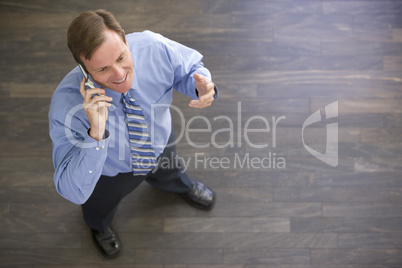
{"points": [[92, 92], [201, 83], [195, 104], [205, 99], [101, 99], [82, 87], [198, 77], [201, 103]]}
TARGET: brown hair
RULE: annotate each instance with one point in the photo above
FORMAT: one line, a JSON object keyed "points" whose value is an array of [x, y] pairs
{"points": [[86, 33]]}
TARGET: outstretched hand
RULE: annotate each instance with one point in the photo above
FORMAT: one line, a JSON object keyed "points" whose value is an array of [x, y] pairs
{"points": [[206, 92]]}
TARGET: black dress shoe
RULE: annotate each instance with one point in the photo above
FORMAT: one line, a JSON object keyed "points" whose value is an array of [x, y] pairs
{"points": [[200, 196], [107, 242]]}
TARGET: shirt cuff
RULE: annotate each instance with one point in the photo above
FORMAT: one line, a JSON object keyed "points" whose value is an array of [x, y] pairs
{"points": [[96, 148]]}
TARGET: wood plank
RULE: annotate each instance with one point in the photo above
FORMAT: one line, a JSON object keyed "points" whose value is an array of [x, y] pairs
{"points": [[272, 62], [26, 179], [397, 35], [62, 209], [279, 240], [231, 178], [367, 150], [106, 265], [352, 210], [382, 135], [32, 240], [377, 21], [266, 256], [261, 138], [18, 51], [22, 19], [329, 27], [370, 240], [36, 164], [4, 209], [32, 194], [310, 163], [392, 121], [36, 90], [225, 240], [202, 23], [377, 164], [129, 223], [38, 143], [358, 106], [287, 266], [174, 256], [392, 63], [74, 7], [140, 240], [362, 179], [356, 256], [330, 84], [255, 49], [91, 257], [362, 8], [175, 208], [346, 224], [338, 194], [23, 224], [233, 224], [226, 36], [259, 210], [240, 111], [362, 48], [319, 84], [53, 72], [259, 6], [242, 194]]}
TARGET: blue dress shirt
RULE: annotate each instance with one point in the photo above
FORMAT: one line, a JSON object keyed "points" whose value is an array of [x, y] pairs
{"points": [[160, 65]]}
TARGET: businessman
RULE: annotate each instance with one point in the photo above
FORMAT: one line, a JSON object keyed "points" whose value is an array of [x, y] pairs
{"points": [[110, 136]]}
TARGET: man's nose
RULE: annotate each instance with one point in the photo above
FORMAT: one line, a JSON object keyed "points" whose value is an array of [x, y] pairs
{"points": [[118, 72]]}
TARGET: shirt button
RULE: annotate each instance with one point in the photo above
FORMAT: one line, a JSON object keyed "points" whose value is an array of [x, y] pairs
{"points": [[97, 148], [103, 147], [90, 172]]}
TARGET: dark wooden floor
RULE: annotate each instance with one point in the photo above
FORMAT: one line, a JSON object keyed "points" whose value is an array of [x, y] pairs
{"points": [[270, 58]]}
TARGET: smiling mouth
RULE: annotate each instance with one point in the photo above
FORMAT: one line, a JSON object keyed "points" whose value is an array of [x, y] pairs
{"points": [[122, 81]]}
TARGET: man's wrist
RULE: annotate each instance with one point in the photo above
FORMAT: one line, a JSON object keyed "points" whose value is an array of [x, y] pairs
{"points": [[96, 134]]}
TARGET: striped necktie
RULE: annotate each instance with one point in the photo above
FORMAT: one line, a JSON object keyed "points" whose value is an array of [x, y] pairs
{"points": [[142, 152]]}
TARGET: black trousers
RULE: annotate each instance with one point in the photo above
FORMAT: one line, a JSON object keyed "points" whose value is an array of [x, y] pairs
{"points": [[102, 205]]}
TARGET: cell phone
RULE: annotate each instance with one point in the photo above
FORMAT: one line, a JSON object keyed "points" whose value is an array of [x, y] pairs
{"points": [[88, 81]]}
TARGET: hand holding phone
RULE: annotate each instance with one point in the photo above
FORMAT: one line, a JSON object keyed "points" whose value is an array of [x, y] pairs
{"points": [[96, 107]]}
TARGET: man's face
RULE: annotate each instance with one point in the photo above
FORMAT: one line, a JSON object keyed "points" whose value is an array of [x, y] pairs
{"points": [[111, 65]]}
